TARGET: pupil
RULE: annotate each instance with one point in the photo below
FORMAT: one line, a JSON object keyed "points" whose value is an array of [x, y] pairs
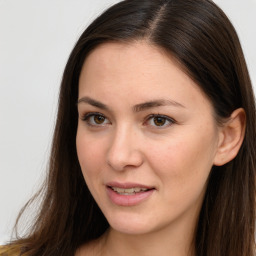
{"points": [[99, 119], [159, 121]]}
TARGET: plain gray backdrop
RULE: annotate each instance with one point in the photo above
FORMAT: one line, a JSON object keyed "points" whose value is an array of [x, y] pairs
{"points": [[36, 37]]}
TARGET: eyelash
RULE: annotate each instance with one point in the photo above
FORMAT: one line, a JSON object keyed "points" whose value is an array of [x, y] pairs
{"points": [[165, 118], [87, 117]]}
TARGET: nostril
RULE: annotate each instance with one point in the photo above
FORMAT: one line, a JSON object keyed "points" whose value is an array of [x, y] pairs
{"points": [[124, 160]]}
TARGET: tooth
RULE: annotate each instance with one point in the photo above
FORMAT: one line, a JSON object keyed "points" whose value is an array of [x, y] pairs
{"points": [[129, 190], [120, 190]]}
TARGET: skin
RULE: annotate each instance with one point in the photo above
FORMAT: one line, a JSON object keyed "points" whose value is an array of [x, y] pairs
{"points": [[175, 158]]}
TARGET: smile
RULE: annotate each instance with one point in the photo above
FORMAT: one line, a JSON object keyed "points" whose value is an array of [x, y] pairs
{"points": [[128, 194], [128, 191]]}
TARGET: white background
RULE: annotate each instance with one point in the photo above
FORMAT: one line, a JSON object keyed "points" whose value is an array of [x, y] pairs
{"points": [[36, 38]]}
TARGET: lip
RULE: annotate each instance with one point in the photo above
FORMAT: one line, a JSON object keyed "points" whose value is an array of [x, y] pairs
{"points": [[127, 185], [128, 200]]}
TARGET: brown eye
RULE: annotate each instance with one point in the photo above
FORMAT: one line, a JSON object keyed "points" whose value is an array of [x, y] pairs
{"points": [[159, 121], [98, 119], [95, 119]]}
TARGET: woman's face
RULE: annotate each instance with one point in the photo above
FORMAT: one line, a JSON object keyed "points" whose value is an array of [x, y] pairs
{"points": [[146, 138]]}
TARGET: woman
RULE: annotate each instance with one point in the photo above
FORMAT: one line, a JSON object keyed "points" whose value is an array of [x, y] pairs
{"points": [[154, 145]]}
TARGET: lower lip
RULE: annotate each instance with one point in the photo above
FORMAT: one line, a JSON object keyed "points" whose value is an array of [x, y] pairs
{"points": [[128, 200]]}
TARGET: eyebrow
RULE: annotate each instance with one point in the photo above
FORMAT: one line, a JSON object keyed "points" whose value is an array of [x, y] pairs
{"points": [[156, 103], [137, 108], [92, 102]]}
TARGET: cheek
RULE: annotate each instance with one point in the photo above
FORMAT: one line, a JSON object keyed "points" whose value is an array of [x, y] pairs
{"points": [[89, 155], [183, 162]]}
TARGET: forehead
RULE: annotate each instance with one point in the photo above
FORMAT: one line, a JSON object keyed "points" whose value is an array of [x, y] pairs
{"points": [[129, 57], [135, 70]]}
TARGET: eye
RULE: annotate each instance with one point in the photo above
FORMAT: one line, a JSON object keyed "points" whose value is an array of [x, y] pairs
{"points": [[95, 119], [160, 121]]}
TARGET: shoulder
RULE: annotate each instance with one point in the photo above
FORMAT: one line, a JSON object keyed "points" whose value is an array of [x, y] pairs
{"points": [[9, 250]]}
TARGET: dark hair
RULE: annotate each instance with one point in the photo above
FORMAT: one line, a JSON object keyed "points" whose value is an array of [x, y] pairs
{"points": [[203, 41]]}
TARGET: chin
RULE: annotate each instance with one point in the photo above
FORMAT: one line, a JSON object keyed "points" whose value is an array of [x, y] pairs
{"points": [[131, 225]]}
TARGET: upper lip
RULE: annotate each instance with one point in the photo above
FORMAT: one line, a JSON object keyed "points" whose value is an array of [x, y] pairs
{"points": [[127, 185]]}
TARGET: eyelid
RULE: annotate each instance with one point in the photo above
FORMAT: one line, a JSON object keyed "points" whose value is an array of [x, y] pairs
{"points": [[89, 114]]}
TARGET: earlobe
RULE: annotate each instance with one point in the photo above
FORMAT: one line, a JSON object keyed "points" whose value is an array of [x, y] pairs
{"points": [[231, 137]]}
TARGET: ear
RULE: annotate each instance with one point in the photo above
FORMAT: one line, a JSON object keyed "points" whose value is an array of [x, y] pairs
{"points": [[231, 136]]}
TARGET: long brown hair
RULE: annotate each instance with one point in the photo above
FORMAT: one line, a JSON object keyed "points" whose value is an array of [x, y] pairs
{"points": [[202, 39]]}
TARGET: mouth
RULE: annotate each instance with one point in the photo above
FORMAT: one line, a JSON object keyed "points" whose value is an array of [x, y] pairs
{"points": [[129, 191], [128, 194]]}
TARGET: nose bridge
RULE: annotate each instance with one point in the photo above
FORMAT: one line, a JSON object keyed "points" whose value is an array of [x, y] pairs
{"points": [[124, 148]]}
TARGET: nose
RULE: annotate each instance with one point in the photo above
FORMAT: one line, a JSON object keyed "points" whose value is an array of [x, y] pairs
{"points": [[124, 150]]}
